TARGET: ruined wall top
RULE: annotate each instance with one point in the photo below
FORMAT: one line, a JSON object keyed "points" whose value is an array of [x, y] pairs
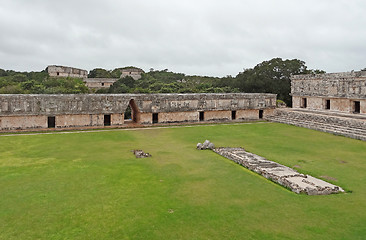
{"points": [[331, 76], [337, 85], [100, 80], [34, 104]]}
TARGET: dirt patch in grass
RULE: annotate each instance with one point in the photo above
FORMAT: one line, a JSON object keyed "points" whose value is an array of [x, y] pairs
{"points": [[329, 178]]}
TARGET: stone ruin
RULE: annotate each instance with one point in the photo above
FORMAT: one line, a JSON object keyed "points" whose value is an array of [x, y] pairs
{"points": [[285, 176], [206, 145], [141, 154]]}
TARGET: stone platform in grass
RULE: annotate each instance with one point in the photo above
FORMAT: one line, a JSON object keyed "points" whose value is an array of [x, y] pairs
{"points": [[285, 176]]}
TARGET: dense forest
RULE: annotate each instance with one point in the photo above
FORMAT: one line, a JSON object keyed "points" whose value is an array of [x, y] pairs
{"points": [[271, 76]]}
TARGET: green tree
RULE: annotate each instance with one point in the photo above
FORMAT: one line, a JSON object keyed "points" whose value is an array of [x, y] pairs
{"points": [[3, 73], [272, 76], [99, 73]]}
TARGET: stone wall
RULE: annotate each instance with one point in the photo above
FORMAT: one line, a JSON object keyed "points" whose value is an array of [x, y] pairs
{"points": [[62, 71], [20, 111], [331, 91]]}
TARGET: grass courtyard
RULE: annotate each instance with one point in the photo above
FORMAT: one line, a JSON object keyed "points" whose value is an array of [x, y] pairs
{"points": [[90, 185]]}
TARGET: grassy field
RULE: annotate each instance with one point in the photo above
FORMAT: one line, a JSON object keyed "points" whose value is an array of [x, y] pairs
{"points": [[90, 185]]}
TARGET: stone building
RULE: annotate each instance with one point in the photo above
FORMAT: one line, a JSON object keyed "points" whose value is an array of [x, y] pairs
{"points": [[331, 102], [133, 72], [98, 83], [37, 111], [340, 92], [62, 71]]}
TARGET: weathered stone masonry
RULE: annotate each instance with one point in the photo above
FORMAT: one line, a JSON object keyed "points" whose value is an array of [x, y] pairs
{"points": [[341, 92], [332, 102], [97, 110]]}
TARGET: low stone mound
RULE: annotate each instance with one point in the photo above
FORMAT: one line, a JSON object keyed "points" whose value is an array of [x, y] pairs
{"points": [[141, 154], [285, 176], [206, 145]]}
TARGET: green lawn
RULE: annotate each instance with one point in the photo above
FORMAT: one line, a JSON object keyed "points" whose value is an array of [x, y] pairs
{"points": [[90, 185]]}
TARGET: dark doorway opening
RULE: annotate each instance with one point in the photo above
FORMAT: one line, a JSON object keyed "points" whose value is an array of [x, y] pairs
{"points": [[233, 115], [128, 113], [155, 117], [51, 122], [107, 120], [357, 107], [260, 114], [304, 103], [327, 104], [202, 116]]}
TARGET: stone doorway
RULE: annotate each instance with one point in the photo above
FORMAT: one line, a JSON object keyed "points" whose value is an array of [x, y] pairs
{"points": [[233, 115], [202, 116], [155, 118], [304, 103], [132, 113], [51, 122], [260, 114], [107, 120], [327, 104], [356, 107]]}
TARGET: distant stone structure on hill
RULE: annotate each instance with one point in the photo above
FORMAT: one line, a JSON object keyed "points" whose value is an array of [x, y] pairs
{"points": [[62, 71], [98, 83], [133, 72], [92, 83]]}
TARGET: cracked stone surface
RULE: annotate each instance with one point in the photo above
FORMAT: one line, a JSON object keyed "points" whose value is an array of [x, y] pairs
{"points": [[285, 176]]}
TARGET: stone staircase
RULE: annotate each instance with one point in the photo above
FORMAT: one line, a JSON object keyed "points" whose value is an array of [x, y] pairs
{"points": [[339, 124]]}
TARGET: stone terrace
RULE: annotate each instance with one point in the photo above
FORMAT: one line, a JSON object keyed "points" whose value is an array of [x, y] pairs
{"points": [[348, 125], [285, 176]]}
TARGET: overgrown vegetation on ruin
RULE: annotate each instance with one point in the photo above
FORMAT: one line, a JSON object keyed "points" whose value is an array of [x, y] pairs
{"points": [[91, 186], [271, 76]]}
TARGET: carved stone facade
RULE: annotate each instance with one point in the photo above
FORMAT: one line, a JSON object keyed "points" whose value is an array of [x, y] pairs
{"points": [[341, 92], [35, 111], [62, 71]]}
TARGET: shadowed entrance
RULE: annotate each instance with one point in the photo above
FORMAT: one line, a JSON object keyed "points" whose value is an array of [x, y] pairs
{"points": [[132, 113]]}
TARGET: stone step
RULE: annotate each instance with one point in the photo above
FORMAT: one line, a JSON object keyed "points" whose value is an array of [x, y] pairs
{"points": [[317, 124], [357, 133]]}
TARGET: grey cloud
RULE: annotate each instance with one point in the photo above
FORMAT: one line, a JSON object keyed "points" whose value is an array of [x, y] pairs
{"points": [[195, 37]]}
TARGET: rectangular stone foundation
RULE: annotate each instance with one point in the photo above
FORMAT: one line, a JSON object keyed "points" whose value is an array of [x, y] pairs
{"points": [[285, 176]]}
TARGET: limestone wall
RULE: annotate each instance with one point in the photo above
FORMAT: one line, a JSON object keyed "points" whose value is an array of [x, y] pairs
{"points": [[334, 85], [95, 110], [332, 91]]}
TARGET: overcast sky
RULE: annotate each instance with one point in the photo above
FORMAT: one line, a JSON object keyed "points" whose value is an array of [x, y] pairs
{"points": [[203, 37]]}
